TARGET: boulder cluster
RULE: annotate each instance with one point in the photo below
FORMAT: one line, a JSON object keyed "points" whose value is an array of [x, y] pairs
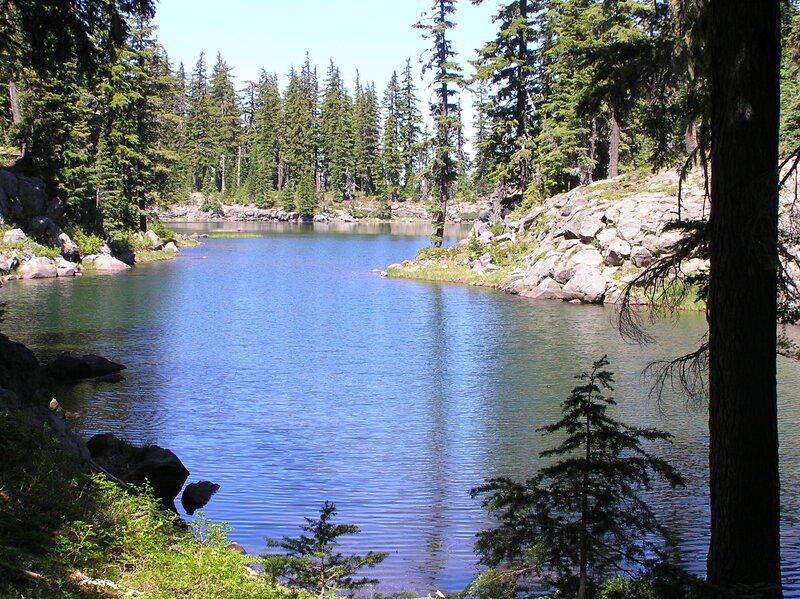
{"points": [[589, 244]]}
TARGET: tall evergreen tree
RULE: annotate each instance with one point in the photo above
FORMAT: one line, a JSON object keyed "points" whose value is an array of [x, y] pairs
{"points": [[301, 118], [337, 138], [225, 125], [391, 157], [409, 125], [510, 64], [198, 127], [443, 167], [265, 141], [127, 152]]}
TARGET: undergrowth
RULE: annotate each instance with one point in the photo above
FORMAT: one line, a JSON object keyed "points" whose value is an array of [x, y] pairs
{"points": [[69, 535]]}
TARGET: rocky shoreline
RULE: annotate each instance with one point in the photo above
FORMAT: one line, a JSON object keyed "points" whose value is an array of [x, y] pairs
{"points": [[587, 245], [401, 212]]}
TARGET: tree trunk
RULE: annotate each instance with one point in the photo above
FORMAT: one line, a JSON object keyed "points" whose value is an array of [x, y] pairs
{"points": [[13, 102], [690, 136], [613, 147], [238, 167], [222, 173], [744, 479]]}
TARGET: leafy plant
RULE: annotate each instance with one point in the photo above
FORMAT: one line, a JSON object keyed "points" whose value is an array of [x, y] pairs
{"points": [[312, 562], [87, 243], [581, 518]]}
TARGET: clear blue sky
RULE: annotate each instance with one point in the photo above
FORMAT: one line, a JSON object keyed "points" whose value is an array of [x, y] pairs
{"points": [[374, 36]]}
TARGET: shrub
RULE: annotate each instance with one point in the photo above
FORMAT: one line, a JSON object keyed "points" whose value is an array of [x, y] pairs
{"points": [[312, 563], [87, 243], [580, 518]]}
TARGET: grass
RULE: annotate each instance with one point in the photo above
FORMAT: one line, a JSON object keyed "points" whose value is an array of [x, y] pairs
{"points": [[232, 235], [100, 541], [155, 255], [447, 273]]}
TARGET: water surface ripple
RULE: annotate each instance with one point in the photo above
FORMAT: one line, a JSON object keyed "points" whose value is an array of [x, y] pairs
{"points": [[281, 368]]}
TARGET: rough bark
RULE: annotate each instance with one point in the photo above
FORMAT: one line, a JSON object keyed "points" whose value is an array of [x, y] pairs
{"points": [[13, 102], [613, 147], [745, 486]]}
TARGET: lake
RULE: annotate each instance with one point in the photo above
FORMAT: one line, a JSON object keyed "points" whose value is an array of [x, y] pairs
{"points": [[282, 368]]}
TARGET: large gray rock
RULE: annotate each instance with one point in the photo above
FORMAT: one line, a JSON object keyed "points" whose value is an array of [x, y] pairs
{"points": [[668, 241], [628, 229], [65, 268], [641, 257], [22, 197], [619, 250], [14, 235], [546, 289], [587, 285], [45, 226], [153, 240], [106, 263], [587, 257], [589, 228], [39, 268]]}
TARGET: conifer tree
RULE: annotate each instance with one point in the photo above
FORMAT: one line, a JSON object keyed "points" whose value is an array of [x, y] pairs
{"points": [[58, 128], [337, 139], [198, 127], [510, 64], [582, 517], [127, 153], [409, 122], [266, 140], [392, 159], [224, 125], [443, 167], [301, 122]]}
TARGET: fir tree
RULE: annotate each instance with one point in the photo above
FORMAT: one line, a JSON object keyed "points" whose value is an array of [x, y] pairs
{"points": [[224, 126], [312, 562], [337, 139], [198, 126], [409, 122], [391, 157], [266, 140], [582, 517], [127, 154], [443, 167], [510, 64]]}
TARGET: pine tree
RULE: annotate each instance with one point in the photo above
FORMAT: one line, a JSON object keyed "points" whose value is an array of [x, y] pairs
{"points": [[130, 98], [224, 127], [337, 140], [443, 167], [301, 117], [510, 64], [391, 157], [266, 140], [582, 517], [312, 562], [198, 127], [409, 122], [58, 128]]}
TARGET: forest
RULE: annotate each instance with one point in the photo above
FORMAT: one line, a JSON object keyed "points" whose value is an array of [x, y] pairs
{"points": [[568, 92]]}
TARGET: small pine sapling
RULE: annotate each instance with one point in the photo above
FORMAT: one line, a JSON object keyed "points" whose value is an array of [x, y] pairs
{"points": [[580, 518], [311, 563]]}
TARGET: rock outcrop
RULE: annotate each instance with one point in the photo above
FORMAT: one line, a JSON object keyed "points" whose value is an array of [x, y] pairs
{"points": [[67, 367]]}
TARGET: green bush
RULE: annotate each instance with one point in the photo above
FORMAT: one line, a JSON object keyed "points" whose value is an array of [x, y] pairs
{"points": [[87, 243], [164, 233]]}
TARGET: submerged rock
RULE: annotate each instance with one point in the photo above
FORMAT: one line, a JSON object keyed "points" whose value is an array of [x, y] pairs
{"points": [[65, 366]]}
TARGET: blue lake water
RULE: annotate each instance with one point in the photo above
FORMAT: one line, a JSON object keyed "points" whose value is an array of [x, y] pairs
{"points": [[282, 368]]}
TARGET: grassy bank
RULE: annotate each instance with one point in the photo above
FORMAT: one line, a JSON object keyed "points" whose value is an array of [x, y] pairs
{"points": [[66, 534]]}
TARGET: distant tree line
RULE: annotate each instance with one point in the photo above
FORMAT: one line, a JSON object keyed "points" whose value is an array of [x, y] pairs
{"points": [[569, 91]]}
